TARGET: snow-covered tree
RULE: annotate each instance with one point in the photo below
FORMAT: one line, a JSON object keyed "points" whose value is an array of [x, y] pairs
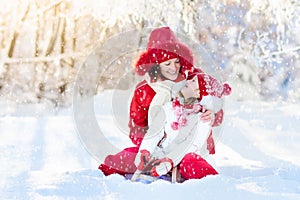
{"points": [[268, 38]]}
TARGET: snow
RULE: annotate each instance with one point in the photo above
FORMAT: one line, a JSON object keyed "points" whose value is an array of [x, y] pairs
{"points": [[43, 157], [255, 42]]}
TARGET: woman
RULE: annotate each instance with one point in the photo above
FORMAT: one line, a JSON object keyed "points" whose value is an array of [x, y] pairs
{"points": [[166, 60], [183, 132]]}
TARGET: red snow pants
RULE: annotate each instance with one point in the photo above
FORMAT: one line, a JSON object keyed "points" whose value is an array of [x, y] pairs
{"points": [[192, 166]]}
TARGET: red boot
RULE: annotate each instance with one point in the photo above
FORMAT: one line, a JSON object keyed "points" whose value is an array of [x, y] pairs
{"points": [[194, 166], [161, 167]]}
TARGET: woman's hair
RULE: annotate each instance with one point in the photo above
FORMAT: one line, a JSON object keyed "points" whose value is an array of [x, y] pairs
{"points": [[155, 73]]}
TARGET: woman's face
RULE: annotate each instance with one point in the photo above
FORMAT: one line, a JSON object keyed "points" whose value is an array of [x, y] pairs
{"points": [[191, 89], [170, 68]]}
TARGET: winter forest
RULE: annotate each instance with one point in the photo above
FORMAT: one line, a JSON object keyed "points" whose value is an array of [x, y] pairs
{"points": [[48, 46], [44, 43]]}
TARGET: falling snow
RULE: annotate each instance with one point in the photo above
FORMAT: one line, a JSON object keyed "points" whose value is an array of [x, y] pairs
{"points": [[252, 44]]}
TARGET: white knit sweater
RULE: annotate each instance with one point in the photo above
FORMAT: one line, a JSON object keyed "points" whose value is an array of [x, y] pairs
{"points": [[189, 138]]}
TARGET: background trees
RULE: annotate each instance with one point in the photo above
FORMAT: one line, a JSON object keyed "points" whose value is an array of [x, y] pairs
{"points": [[44, 43]]}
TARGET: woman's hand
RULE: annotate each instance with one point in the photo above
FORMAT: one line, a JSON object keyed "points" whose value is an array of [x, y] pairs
{"points": [[207, 116]]}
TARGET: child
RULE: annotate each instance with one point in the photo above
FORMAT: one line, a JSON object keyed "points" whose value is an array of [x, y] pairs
{"points": [[177, 134]]}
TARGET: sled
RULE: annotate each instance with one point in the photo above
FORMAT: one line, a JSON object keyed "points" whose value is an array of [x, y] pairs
{"points": [[138, 176]]}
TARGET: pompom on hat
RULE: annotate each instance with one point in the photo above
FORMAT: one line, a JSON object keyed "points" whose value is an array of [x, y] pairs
{"points": [[163, 45]]}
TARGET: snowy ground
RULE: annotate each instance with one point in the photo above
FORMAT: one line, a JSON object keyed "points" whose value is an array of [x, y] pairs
{"points": [[42, 157]]}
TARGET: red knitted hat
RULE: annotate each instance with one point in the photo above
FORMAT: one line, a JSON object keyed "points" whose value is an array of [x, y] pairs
{"points": [[210, 86], [162, 46]]}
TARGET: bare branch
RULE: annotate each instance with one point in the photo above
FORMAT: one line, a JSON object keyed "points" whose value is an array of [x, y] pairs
{"points": [[49, 7], [16, 33]]}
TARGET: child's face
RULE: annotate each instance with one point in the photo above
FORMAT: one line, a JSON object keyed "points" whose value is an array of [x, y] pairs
{"points": [[191, 89]]}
